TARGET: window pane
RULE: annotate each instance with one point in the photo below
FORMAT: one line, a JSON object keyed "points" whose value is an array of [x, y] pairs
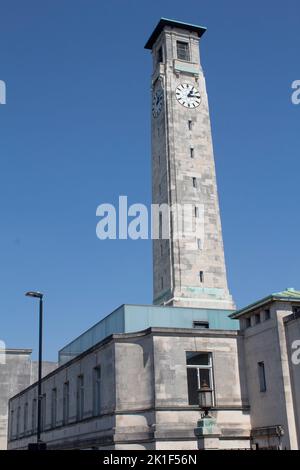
{"points": [[183, 51], [192, 381], [200, 325], [262, 376], [198, 359], [204, 377]]}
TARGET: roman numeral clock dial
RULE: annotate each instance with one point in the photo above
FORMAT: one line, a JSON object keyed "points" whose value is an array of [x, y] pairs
{"points": [[188, 95]]}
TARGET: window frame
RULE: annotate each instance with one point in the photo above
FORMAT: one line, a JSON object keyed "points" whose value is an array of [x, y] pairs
{"points": [[66, 402], [200, 325], [53, 407], [209, 367], [97, 380], [34, 415], [160, 55], [262, 376], [80, 397], [25, 423], [187, 52]]}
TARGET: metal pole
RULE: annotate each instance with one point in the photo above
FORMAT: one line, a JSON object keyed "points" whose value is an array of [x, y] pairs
{"points": [[39, 411]]}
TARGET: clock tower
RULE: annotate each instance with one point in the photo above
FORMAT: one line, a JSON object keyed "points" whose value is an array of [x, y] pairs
{"points": [[188, 257]]}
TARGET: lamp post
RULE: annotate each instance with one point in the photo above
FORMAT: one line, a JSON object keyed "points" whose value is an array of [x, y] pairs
{"points": [[207, 431], [39, 295], [205, 398]]}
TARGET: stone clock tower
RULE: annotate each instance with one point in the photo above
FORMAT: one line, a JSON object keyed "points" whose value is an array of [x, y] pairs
{"points": [[188, 258]]}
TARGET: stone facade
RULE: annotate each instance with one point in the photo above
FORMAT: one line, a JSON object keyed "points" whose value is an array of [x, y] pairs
{"points": [[183, 174], [17, 372], [270, 329], [144, 394], [144, 389]]}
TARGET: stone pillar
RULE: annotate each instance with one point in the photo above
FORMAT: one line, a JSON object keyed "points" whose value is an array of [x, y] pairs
{"points": [[208, 434]]}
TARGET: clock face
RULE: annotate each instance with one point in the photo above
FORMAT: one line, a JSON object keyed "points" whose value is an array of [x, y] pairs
{"points": [[188, 95], [157, 102]]}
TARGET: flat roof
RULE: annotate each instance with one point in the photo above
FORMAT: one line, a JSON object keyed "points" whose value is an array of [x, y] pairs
{"points": [[200, 30]]}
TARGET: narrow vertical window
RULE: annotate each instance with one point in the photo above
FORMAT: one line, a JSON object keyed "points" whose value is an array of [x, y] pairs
{"points": [[199, 243], [43, 406], [53, 407], [196, 212], [33, 415], [183, 52], [11, 424], [194, 182], [267, 314], [66, 401], [190, 122], [162, 282], [158, 160], [257, 318], [192, 153], [159, 55], [97, 391], [161, 249], [160, 226], [80, 397], [25, 417], [262, 376], [18, 421], [201, 276]]}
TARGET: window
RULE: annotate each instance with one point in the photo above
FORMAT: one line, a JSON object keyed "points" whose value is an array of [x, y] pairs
{"points": [[199, 373], [267, 314], [80, 397], [201, 276], [25, 417], [257, 318], [161, 249], [248, 322], [33, 415], [196, 212], [43, 414], [159, 160], [162, 282], [159, 55], [262, 376], [11, 424], [183, 52], [200, 325], [190, 122], [160, 226], [194, 182], [53, 407], [199, 243], [192, 152], [97, 391], [66, 401], [18, 421]]}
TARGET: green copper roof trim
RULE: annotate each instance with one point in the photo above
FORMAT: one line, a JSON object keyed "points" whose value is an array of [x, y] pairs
{"points": [[290, 295], [200, 30]]}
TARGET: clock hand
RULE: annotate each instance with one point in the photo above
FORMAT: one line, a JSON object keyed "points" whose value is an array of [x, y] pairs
{"points": [[190, 93]]}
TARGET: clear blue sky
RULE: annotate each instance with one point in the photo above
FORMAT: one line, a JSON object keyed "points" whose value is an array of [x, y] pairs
{"points": [[75, 133]]}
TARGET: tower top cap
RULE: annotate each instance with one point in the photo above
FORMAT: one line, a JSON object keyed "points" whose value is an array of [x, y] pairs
{"points": [[200, 30]]}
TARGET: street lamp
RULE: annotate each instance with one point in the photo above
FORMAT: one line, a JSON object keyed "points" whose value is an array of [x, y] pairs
{"points": [[205, 398], [39, 295]]}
